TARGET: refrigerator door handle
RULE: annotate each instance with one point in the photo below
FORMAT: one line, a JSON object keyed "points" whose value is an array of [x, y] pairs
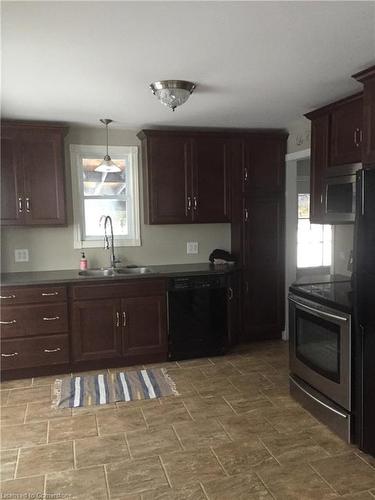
{"points": [[363, 192]]}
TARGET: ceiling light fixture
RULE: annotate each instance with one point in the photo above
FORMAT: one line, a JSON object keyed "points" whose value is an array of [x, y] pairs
{"points": [[172, 93], [107, 165]]}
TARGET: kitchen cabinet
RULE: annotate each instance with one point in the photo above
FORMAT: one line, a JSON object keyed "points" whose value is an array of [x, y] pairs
{"points": [[367, 77], [124, 321], [234, 308], [32, 173], [186, 177], [346, 132]]}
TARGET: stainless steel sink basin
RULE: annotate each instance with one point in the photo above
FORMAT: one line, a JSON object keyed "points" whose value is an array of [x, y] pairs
{"points": [[133, 270], [97, 273]]}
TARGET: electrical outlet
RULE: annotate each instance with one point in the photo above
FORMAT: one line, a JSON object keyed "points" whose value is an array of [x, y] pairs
{"points": [[21, 255], [191, 247]]}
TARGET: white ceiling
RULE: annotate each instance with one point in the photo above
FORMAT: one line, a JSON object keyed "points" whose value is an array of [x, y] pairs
{"points": [[257, 64]]}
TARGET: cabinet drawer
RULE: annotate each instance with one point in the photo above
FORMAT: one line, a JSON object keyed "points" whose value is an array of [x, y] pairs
{"points": [[21, 321], [36, 351], [32, 295], [139, 288]]}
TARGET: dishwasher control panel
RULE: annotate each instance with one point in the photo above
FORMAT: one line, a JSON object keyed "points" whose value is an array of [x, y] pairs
{"points": [[197, 282]]}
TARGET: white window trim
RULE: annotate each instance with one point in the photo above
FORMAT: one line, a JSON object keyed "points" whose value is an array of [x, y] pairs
{"points": [[77, 153]]}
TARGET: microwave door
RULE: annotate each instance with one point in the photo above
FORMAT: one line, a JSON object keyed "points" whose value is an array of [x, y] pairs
{"points": [[340, 199]]}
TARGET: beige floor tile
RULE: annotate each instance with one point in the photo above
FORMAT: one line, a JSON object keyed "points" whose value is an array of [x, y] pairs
{"points": [[367, 458], [201, 434], [120, 420], [346, 473], [365, 495], [253, 380], [140, 403], [4, 394], [37, 381], [188, 492], [82, 484], [249, 365], [288, 420], [92, 410], [241, 427], [63, 429], [188, 467], [38, 412], [31, 487], [12, 415], [243, 487], [135, 476], [194, 363], [45, 459], [43, 394], [100, 450], [244, 404], [296, 483], [242, 456], [203, 408], [166, 413], [17, 436], [221, 370], [293, 448], [212, 387], [327, 440], [8, 460], [16, 384], [152, 442]]}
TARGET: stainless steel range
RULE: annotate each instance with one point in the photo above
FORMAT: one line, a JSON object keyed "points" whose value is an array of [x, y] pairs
{"points": [[320, 352]]}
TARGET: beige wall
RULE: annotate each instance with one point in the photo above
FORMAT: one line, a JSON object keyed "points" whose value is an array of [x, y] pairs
{"points": [[299, 135], [343, 244], [52, 248]]}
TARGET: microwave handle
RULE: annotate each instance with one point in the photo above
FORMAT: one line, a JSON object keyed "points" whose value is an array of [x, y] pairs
{"points": [[317, 311]]}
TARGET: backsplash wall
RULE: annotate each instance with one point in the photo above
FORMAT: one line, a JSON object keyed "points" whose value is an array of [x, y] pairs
{"points": [[52, 248], [343, 237]]}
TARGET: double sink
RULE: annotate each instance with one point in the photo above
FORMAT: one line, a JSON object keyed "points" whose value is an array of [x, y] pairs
{"points": [[109, 271]]}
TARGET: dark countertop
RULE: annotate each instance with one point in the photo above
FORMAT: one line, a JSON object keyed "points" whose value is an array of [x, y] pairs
{"points": [[72, 276], [313, 279]]}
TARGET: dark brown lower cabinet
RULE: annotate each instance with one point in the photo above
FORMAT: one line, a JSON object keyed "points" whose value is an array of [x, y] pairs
{"points": [[96, 330], [234, 308], [144, 325]]}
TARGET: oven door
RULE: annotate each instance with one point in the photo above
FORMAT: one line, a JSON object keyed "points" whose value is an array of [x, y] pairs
{"points": [[320, 348]]}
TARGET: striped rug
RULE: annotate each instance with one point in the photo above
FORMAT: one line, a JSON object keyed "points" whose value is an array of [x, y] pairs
{"points": [[103, 388]]}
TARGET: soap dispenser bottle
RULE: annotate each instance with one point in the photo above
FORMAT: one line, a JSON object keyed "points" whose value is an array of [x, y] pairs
{"points": [[83, 262]]}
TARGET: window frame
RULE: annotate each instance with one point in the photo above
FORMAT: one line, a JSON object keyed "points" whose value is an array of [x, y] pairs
{"points": [[77, 153]]}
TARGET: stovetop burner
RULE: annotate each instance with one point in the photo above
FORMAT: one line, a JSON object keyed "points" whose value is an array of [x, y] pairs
{"points": [[335, 294]]}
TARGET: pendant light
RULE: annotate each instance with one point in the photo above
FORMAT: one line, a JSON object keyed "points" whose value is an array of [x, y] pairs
{"points": [[172, 93], [107, 165]]}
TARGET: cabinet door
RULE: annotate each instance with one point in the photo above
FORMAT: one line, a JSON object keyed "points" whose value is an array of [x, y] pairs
{"points": [[264, 166], [96, 329], [368, 146], [12, 187], [144, 325], [167, 179], [211, 179], [346, 132], [234, 310], [318, 166], [263, 299], [42, 159]]}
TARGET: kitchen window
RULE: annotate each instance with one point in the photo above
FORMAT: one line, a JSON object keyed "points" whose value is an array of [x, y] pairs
{"points": [[314, 241], [101, 193]]}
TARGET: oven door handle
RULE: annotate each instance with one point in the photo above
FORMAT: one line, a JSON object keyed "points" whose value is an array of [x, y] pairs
{"points": [[317, 311]]}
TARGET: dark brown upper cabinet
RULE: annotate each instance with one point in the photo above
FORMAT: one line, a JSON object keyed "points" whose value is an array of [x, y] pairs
{"points": [[186, 177], [346, 132], [32, 174], [367, 77]]}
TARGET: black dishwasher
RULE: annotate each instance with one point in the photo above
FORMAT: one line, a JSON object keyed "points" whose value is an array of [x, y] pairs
{"points": [[197, 319]]}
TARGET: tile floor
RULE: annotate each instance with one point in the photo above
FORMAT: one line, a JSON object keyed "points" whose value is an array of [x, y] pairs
{"points": [[233, 433]]}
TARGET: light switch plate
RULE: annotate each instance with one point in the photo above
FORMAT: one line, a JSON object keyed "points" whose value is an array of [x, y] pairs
{"points": [[21, 255], [191, 247]]}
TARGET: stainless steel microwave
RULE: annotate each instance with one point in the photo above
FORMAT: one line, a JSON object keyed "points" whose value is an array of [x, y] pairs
{"points": [[339, 199]]}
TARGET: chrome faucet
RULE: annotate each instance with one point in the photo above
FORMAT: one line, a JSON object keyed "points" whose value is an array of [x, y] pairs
{"points": [[107, 245]]}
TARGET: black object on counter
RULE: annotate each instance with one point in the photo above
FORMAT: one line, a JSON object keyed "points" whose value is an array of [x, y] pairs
{"points": [[222, 255]]}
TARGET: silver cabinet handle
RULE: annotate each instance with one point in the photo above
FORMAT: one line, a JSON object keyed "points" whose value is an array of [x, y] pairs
{"points": [[246, 174], [124, 318], [7, 297], [52, 350], [54, 318], [20, 205], [357, 137], [117, 319], [28, 208], [189, 203], [195, 201], [8, 322], [246, 214], [9, 355], [230, 293], [45, 294]]}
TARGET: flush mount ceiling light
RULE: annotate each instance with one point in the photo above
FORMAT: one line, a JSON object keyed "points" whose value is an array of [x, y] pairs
{"points": [[172, 93], [107, 165]]}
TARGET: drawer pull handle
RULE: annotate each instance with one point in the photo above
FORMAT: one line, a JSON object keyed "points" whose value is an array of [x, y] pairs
{"points": [[117, 319], [7, 296], [9, 355], [8, 322], [28, 208], [44, 294], [52, 350], [54, 318], [124, 319]]}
